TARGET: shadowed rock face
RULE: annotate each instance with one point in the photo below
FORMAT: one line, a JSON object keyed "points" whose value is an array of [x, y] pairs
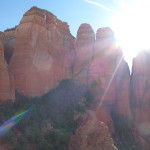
{"points": [[140, 92], [6, 91], [9, 41]]}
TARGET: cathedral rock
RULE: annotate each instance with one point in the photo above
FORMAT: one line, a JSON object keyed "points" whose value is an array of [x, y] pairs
{"points": [[40, 52]]}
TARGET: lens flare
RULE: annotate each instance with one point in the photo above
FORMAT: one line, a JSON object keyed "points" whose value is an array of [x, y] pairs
{"points": [[9, 124], [132, 27]]}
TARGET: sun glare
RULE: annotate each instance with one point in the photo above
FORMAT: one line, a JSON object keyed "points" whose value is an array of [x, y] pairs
{"points": [[132, 27]]}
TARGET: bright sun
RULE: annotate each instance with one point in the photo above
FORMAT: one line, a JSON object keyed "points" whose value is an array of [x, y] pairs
{"points": [[132, 27]]}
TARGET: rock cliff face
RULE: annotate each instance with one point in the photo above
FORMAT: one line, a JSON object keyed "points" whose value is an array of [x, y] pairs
{"points": [[41, 48], [40, 52], [100, 64], [140, 92], [6, 91], [110, 72]]}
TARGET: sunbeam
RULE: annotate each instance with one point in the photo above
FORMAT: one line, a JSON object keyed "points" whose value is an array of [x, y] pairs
{"points": [[109, 83]]}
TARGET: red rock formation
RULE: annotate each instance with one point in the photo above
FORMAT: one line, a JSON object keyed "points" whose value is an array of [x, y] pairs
{"points": [[93, 135], [100, 65], [84, 52], [109, 74], [42, 45], [6, 93], [140, 92], [40, 52], [9, 40], [43, 55]]}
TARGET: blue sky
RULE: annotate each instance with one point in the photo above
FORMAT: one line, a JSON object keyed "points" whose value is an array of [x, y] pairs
{"points": [[74, 12]]}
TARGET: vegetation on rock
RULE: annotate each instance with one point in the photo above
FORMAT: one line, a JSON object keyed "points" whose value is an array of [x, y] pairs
{"points": [[50, 121]]}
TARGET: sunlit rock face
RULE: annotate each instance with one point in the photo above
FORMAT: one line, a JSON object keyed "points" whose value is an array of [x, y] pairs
{"points": [[92, 135], [40, 58], [140, 91], [6, 91]]}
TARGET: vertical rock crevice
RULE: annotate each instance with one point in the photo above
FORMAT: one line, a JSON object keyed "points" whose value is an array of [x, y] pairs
{"points": [[6, 90]]}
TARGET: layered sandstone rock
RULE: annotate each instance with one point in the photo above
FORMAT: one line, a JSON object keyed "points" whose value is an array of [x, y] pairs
{"points": [[40, 59], [92, 135], [6, 93], [140, 92]]}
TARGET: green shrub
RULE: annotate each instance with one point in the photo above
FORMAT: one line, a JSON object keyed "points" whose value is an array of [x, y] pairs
{"points": [[50, 121]]}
